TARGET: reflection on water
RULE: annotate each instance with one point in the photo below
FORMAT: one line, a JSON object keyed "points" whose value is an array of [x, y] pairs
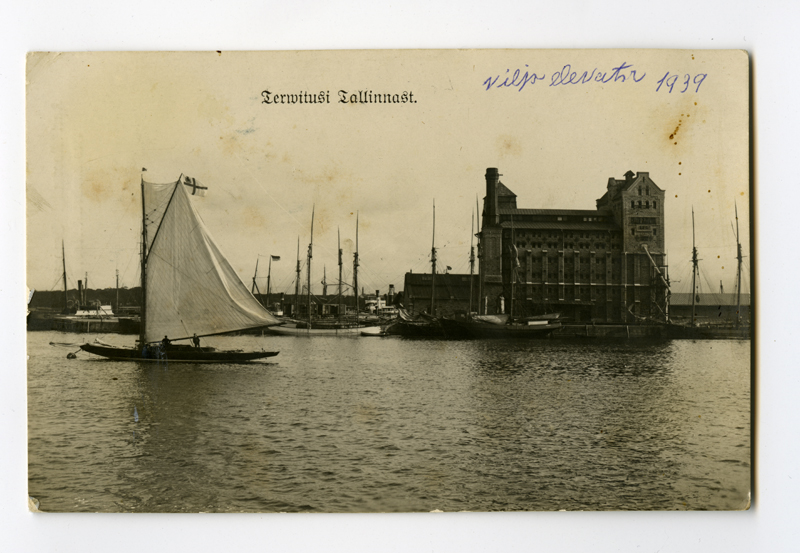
{"points": [[344, 424]]}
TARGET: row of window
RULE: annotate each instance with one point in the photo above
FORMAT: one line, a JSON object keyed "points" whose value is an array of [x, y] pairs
{"points": [[523, 237], [568, 246], [644, 220], [568, 262], [638, 204], [552, 292], [585, 219]]}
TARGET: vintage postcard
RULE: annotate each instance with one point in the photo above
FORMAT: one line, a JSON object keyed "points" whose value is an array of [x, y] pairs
{"points": [[389, 281]]}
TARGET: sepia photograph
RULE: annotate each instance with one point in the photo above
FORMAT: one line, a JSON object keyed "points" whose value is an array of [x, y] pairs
{"points": [[389, 281]]}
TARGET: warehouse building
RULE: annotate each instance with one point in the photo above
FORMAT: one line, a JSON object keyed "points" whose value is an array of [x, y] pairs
{"points": [[604, 265]]}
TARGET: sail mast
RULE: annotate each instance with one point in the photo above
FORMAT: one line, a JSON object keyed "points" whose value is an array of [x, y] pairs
{"points": [[339, 247], [308, 268], [694, 269], [255, 286], [297, 283], [269, 276], [64, 263], [738, 268], [143, 316], [355, 270], [513, 253], [433, 262], [471, 260], [480, 265]]}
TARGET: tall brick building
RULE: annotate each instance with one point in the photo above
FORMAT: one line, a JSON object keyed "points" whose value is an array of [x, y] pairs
{"points": [[603, 265]]}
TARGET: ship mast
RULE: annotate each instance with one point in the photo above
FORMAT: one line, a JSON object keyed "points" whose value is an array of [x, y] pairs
{"points": [[64, 263], [297, 283], [738, 269], [433, 262], [694, 270], [355, 270], [471, 260], [308, 268], [514, 260], [269, 277], [339, 247], [480, 265], [143, 317]]}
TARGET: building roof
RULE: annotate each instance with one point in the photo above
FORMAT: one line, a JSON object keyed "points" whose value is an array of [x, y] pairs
{"points": [[503, 190]]}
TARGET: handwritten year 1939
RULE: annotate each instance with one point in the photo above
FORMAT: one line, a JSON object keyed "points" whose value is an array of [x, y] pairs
{"points": [[669, 81]]}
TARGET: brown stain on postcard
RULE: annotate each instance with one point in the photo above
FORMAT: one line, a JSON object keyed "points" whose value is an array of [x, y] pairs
{"points": [[253, 218], [508, 146]]}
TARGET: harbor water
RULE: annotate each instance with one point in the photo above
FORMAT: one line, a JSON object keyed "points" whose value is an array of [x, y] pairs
{"points": [[393, 425]]}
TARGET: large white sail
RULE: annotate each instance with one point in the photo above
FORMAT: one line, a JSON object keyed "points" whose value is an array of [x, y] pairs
{"points": [[191, 287]]}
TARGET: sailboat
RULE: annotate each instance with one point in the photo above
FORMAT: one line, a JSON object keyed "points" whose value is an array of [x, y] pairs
{"points": [[724, 330], [189, 289], [311, 327], [425, 325]]}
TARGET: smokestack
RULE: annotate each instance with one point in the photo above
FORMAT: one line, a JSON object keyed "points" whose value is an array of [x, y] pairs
{"points": [[80, 293], [492, 180], [391, 295]]}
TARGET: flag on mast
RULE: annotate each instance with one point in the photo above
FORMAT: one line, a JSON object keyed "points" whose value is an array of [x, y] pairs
{"points": [[197, 188]]}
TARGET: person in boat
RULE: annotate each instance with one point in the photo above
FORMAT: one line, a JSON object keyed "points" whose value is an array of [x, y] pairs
{"points": [[165, 343], [196, 340]]}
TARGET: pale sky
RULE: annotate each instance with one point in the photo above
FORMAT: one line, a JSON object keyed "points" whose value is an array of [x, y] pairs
{"points": [[94, 120]]}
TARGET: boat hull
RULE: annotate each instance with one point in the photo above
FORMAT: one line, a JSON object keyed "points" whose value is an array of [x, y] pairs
{"points": [[488, 330], [373, 331], [304, 330], [180, 354], [416, 329]]}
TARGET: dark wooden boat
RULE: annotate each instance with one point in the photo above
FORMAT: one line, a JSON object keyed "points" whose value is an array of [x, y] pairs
{"points": [[176, 353]]}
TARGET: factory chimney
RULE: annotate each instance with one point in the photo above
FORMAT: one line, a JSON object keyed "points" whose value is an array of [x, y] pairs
{"points": [[492, 180]]}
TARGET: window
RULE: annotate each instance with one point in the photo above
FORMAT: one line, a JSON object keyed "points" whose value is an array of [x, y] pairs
{"points": [[647, 191], [632, 206], [655, 204], [655, 232], [633, 231], [640, 190], [640, 203], [647, 204]]}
